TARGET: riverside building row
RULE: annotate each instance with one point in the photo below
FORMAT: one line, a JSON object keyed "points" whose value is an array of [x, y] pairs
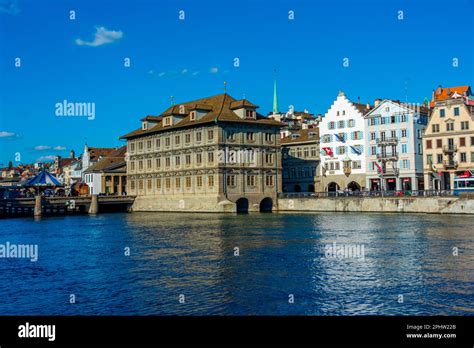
{"points": [[220, 154]]}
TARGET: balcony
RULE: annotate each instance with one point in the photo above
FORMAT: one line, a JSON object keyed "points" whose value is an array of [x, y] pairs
{"points": [[391, 172], [450, 164], [387, 141], [387, 156], [450, 148]]}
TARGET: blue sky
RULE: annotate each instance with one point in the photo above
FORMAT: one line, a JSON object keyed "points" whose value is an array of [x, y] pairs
{"points": [[82, 60]]}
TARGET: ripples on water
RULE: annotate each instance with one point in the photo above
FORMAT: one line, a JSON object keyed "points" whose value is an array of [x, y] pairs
{"points": [[280, 254]]}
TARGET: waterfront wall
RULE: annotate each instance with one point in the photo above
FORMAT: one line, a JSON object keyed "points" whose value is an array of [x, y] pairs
{"points": [[434, 205], [201, 203]]}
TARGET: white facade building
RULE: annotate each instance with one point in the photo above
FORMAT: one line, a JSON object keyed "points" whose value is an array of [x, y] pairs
{"points": [[394, 146], [343, 154]]}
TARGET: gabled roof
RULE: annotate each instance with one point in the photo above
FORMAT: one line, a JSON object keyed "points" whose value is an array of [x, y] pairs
{"points": [[219, 111], [423, 110], [114, 162]]}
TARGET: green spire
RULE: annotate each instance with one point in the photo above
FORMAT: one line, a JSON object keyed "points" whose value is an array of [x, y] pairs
{"points": [[275, 98]]}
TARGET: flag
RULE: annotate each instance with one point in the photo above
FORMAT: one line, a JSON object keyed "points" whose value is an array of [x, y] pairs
{"points": [[379, 168], [341, 139], [355, 150], [328, 151]]}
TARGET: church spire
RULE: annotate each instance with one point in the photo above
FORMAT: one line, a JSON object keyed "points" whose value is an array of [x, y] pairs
{"points": [[275, 97]]}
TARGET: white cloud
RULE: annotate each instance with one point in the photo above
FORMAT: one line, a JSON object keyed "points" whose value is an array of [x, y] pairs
{"points": [[214, 70], [9, 7], [184, 71], [4, 134], [195, 73], [161, 74], [46, 158], [42, 147], [59, 148], [102, 36]]}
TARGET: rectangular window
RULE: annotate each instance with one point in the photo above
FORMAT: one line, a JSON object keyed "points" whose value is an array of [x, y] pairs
{"points": [[230, 135], [177, 161], [198, 158], [269, 180], [132, 184], [210, 157], [464, 125], [177, 139], [230, 180], [463, 157], [168, 162], [449, 126], [167, 142], [140, 165], [158, 143], [429, 159], [341, 124], [158, 163], [442, 113], [140, 184], [132, 147], [404, 133], [148, 144], [199, 181], [250, 136], [435, 128], [158, 183], [462, 141], [372, 135], [168, 183], [188, 181], [429, 144], [456, 111], [198, 136], [187, 138], [188, 160], [439, 143], [268, 137], [210, 135], [210, 181], [148, 164], [439, 158], [404, 148], [269, 157], [250, 180]]}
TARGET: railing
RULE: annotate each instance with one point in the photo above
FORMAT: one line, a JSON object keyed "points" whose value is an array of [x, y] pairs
{"points": [[390, 172], [364, 194], [390, 140], [450, 164], [449, 148], [387, 156]]}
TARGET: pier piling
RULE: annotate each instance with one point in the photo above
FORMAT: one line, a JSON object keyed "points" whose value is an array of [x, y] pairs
{"points": [[94, 207], [38, 201]]}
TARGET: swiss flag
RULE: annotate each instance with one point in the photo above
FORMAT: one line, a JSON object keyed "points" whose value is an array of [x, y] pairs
{"points": [[328, 151]]}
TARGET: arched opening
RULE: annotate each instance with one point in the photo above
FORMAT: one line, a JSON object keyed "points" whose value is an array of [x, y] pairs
{"points": [[333, 187], [266, 205], [353, 186], [310, 188], [242, 205], [297, 188]]}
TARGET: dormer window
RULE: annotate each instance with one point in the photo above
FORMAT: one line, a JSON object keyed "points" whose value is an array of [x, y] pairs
{"points": [[311, 134], [144, 125], [294, 136], [192, 115], [167, 121], [250, 114]]}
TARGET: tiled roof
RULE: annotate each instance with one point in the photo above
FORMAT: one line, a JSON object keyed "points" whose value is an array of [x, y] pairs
{"points": [[445, 93], [363, 109], [114, 162], [219, 111], [66, 161], [242, 103], [96, 152], [304, 136]]}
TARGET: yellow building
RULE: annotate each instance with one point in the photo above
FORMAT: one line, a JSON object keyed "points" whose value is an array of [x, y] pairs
{"points": [[448, 143]]}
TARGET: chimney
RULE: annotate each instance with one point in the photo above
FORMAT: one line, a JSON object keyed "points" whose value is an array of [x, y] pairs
{"points": [[358, 100], [377, 102], [367, 106], [72, 154]]}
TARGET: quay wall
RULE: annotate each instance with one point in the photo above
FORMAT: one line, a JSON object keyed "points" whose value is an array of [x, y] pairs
{"points": [[433, 205]]}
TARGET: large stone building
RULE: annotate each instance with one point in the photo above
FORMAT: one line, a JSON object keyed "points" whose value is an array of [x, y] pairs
{"points": [[448, 143], [301, 158], [343, 156], [211, 154], [394, 147]]}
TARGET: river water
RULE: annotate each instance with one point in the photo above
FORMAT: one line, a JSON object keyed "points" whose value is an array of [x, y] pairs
{"points": [[225, 264]]}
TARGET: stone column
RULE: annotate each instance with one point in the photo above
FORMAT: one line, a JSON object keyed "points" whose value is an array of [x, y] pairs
{"points": [[37, 210], [120, 185], [94, 207]]}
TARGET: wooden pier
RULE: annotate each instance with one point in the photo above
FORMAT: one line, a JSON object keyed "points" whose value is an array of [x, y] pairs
{"points": [[38, 206]]}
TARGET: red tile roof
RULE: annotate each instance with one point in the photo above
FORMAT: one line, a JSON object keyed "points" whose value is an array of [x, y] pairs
{"points": [[445, 93]]}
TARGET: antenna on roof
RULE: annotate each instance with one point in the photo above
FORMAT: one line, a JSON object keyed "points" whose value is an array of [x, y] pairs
{"points": [[225, 87], [172, 100]]}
